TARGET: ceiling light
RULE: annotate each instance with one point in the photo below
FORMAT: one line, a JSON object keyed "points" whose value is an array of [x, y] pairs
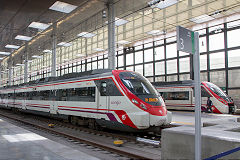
{"points": [[86, 34], [155, 32], [39, 25], [165, 4], [30, 61], [35, 56], [24, 38], [63, 7], [65, 44], [5, 53], [119, 21], [47, 51], [123, 42], [1, 58], [80, 55], [201, 19], [99, 49], [12, 46], [19, 64]]}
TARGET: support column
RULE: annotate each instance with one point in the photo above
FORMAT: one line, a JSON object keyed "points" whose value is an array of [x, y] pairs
{"points": [[54, 36], [111, 35], [26, 64], [10, 71]]}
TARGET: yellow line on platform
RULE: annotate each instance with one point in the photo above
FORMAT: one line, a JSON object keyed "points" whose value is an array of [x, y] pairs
{"points": [[185, 123]]}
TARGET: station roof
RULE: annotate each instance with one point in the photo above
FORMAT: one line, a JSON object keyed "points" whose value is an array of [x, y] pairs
{"points": [[17, 15]]}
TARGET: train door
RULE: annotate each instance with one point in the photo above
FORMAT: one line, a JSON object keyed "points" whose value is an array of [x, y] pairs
{"points": [[103, 96], [52, 101]]}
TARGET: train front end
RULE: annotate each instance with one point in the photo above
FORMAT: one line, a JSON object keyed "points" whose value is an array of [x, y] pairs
{"points": [[145, 99], [222, 103]]}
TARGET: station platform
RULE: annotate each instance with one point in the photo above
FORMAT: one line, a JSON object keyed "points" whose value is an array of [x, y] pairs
{"points": [[17, 143]]}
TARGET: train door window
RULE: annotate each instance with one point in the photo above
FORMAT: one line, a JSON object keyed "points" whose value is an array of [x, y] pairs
{"points": [[107, 88], [103, 88]]}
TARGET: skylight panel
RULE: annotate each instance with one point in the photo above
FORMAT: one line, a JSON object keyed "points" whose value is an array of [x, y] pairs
{"points": [[123, 42], [64, 44], [19, 64], [23, 38], [119, 21], [47, 51], [201, 19], [165, 4], [99, 49], [39, 25], [5, 53], [12, 46], [86, 34], [63, 7], [36, 56], [155, 32]]}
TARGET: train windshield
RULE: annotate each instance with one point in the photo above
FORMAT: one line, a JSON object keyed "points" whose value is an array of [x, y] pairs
{"points": [[141, 87], [218, 91]]}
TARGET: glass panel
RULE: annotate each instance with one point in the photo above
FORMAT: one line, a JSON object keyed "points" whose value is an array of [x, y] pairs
{"points": [[217, 60], [234, 58], [94, 65], [89, 66], [171, 51], [120, 61], [203, 76], [172, 78], [130, 68], [203, 62], [183, 77], [148, 69], [129, 59], [233, 78], [100, 64], [233, 38], [160, 79], [139, 57], [172, 66], [202, 44], [216, 41], [139, 69], [105, 63], [234, 94], [184, 64], [218, 78], [148, 55], [159, 53], [159, 68]]}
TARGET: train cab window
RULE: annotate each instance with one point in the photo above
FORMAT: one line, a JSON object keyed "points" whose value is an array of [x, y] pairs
{"points": [[204, 93]]}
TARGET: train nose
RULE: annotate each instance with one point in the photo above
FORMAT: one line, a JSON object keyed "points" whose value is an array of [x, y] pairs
{"points": [[161, 120]]}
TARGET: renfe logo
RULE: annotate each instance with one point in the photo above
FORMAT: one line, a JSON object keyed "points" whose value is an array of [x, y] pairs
{"points": [[116, 102]]}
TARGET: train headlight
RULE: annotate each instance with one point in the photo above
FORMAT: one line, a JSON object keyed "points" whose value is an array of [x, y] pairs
{"points": [[143, 106], [134, 101]]}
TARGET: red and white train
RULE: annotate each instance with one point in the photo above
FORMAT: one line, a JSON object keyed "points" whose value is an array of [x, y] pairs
{"points": [[116, 99], [180, 96]]}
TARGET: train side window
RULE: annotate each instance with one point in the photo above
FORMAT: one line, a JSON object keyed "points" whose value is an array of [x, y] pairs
{"points": [[176, 95], [204, 93], [107, 88]]}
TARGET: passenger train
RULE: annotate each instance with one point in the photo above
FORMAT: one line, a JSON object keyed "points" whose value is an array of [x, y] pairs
{"points": [[115, 99], [180, 96]]}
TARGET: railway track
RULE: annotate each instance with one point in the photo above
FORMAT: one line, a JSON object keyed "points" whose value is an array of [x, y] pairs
{"points": [[97, 139]]}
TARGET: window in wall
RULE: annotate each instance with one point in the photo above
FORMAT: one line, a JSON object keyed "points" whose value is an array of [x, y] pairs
{"points": [[203, 62], [159, 68], [160, 79], [105, 63], [129, 59], [89, 66], [218, 78], [139, 69], [100, 64], [171, 66], [233, 78], [148, 69], [184, 77], [150, 79], [172, 78], [216, 41], [184, 64], [217, 60], [120, 61], [234, 58], [171, 50], [233, 38], [94, 65], [148, 55], [138, 57], [202, 44], [159, 53], [183, 54], [130, 68]]}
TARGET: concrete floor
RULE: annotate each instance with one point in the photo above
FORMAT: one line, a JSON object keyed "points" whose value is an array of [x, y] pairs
{"points": [[188, 117], [19, 144]]}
